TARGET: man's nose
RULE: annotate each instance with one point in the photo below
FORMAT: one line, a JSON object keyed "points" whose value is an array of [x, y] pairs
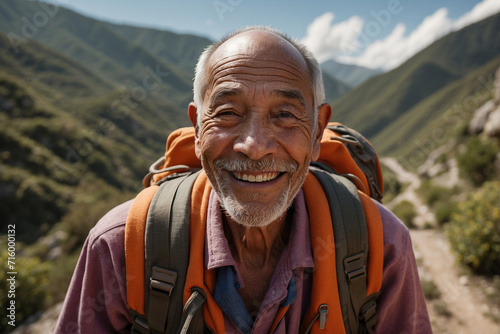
{"points": [[256, 140]]}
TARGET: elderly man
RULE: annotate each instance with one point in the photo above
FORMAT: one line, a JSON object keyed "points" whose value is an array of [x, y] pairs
{"points": [[259, 116]]}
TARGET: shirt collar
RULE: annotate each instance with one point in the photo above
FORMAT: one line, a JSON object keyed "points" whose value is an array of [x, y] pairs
{"points": [[218, 253]]}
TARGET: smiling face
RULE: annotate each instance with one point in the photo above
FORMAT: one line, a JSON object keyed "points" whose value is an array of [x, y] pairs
{"points": [[258, 131]]}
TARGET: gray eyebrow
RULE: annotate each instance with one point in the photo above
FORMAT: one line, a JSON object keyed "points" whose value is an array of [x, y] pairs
{"points": [[222, 94], [291, 94]]}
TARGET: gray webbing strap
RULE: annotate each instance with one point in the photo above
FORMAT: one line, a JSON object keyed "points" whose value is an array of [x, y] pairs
{"points": [[140, 325], [192, 307], [351, 243], [368, 314], [167, 252]]}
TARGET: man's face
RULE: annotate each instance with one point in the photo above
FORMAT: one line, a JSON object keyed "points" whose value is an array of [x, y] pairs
{"points": [[257, 132]]}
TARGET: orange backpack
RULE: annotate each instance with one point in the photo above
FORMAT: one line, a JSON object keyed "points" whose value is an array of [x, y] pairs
{"points": [[164, 238]]}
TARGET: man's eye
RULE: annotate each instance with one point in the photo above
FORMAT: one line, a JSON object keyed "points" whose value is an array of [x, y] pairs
{"points": [[285, 114], [227, 114]]}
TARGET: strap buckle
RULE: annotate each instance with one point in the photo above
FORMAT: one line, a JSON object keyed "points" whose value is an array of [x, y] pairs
{"points": [[140, 326], [161, 284], [368, 314], [162, 280], [354, 267]]}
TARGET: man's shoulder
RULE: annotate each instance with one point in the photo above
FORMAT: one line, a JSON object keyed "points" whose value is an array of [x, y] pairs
{"points": [[391, 223], [111, 227], [395, 231], [397, 240]]}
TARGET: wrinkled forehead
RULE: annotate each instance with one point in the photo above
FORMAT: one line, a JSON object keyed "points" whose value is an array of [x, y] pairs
{"points": [[259, 48]]}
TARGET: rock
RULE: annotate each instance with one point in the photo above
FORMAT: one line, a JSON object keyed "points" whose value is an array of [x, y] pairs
{"points": [[492, 126], [52, 242], [46, 323], [480, 117], [496, 88]]}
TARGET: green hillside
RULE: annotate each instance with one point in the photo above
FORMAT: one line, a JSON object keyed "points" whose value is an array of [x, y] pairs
{"points": [[384, 99], [182, 50], [352, 75], [49, 157], [84, 103], [65, 128], [334, 88], [437, 118], [121, 54]]}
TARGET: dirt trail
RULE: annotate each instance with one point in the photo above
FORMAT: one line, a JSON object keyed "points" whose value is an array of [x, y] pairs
{"points": [[424, 215], [462, 300]]}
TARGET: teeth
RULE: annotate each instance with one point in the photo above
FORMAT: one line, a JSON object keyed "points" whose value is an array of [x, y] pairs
{"points": [[256, 178]]}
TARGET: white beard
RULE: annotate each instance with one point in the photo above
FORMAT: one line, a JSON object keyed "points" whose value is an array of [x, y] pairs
{"points": [[247, 214]]}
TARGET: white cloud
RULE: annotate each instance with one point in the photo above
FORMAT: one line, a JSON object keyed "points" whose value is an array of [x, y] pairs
{"points": [[396, 48], [355, 42], [480, 11], [327, 41]]}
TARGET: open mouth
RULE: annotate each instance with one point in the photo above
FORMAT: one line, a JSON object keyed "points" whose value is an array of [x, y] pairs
{"points": [[256, 178]]}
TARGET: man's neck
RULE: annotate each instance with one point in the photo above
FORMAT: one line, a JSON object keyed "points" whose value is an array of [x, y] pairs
{"points": [[257, 247], [256, 251]]}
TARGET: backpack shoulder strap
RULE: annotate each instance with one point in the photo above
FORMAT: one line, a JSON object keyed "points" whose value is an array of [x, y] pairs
{"points": [[166, 255], [135, 230], [352, 245], [167, 251]]}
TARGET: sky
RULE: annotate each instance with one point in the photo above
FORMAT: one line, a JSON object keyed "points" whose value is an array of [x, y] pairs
{"points": [[374, 34]]}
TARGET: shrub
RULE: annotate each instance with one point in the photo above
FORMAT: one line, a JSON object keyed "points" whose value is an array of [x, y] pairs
{"points": [[477, 163], [405, 210], [432, 194], [440, 199], [93, 199], [430, 289], [392, 186], [60, 274], [473, 230], [30, 288], [441, 308], [444, 212]]}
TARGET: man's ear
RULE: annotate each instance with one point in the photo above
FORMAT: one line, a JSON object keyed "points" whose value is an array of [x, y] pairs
{"points": [[324, 114], [193, 112], [193, 117]]}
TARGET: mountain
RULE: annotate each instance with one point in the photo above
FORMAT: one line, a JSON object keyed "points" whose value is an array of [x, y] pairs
{"points": [[123, 55], [180, 49], [50, 153], [437, 118], [422, 89], [85, 108], [334, 88], [352, 75]]}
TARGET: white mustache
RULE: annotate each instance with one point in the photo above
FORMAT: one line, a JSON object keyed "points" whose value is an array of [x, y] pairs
{"points": [[261, 165]]}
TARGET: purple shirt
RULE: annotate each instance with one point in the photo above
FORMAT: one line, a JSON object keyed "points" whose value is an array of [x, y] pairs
{"points": [[289, 284], [96, 299]]}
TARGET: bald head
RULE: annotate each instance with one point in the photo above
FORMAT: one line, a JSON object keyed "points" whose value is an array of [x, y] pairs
{"points": [[258, 44]]}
